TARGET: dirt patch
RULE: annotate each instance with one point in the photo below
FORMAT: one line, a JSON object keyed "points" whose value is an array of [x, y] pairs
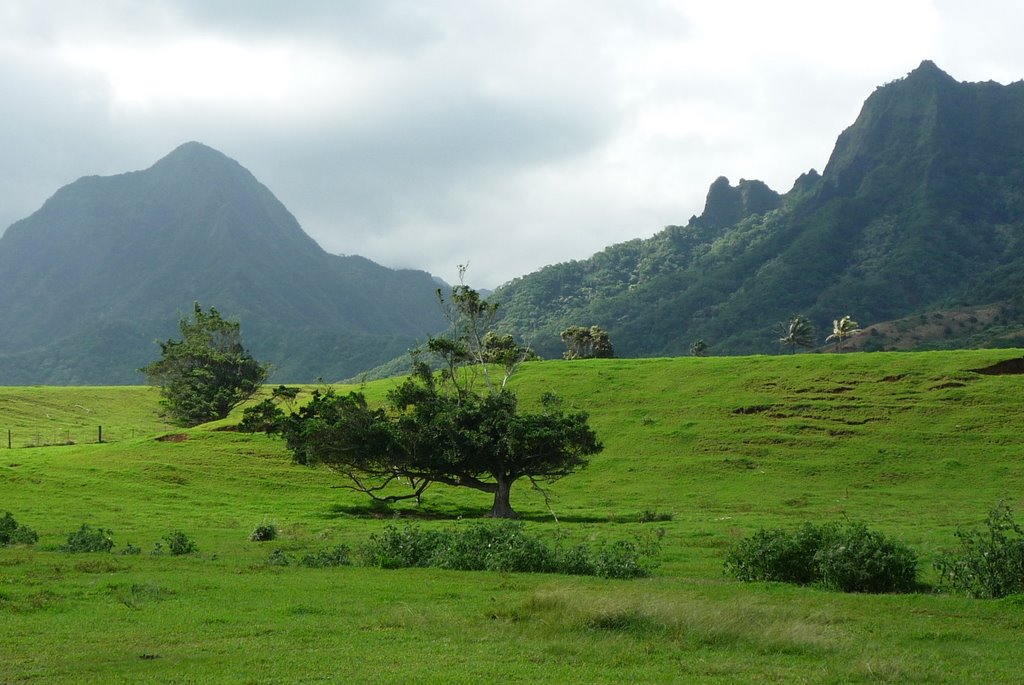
{"points": [[1007, 367], [756, 409], [839, 390], [950, 384], [173, 437], [892, 379], [233, 428]]}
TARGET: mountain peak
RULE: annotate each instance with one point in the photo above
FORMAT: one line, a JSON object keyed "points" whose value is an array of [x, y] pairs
{"points": [[726, 204], [928, 72], [194, 154], [195, 226]]}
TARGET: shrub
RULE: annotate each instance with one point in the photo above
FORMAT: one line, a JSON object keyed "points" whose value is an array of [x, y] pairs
{"points": [[860, 560], [178, 543], [990, 562], [619, 559], [498, 546], [324, 558], [651, 516], [850, 558], [131, 549], [279, 558], [777, 555], [401, 547], [505, 546], [89, 539], [14, 533], [263, 533]]}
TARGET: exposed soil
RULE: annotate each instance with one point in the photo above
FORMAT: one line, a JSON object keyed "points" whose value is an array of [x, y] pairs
{"points": [[173, 437], [1007, 367]]}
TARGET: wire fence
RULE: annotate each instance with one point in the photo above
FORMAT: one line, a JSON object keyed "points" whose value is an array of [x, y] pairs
{"points": [[53, 436]]}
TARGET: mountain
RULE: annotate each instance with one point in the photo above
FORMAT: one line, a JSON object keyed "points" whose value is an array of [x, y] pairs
{"points": [[920, 208], [110, 264]]}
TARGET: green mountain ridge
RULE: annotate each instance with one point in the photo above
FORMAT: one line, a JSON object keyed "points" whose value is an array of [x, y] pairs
{"points": [[920, 207], [108, 264]]}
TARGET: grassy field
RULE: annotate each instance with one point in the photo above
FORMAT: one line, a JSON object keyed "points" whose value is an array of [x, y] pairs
{"points": [[911, 444]]}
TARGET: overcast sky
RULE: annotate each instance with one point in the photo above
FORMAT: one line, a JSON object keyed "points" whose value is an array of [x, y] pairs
{"points": [[507, 133]]}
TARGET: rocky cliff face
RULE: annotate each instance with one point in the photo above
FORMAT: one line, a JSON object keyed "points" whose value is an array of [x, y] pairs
{"points": [[920, 206]]}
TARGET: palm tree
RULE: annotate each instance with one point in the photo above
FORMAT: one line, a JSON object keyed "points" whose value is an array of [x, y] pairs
{"points": [[842, 329], [797, 331]]}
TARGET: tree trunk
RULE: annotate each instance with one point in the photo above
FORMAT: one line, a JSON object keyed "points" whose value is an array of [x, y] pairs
{"points": [[502, 508]]}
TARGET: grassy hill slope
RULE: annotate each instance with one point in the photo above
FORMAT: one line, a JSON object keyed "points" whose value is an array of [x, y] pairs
{"points": [[912, 444]]}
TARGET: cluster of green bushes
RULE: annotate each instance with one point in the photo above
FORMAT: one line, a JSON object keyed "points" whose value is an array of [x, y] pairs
{"points": [[339, 555], [852, 558], [990, 562], [14, 533], [848, 557], [88, 539], [506, 546]]}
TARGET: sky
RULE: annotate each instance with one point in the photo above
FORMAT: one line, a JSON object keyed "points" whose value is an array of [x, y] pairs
{"points": [[502, 134]]}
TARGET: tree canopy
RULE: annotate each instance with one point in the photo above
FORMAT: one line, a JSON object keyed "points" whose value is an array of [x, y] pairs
{"points": [[586, 343], [207, 373], [797, 332], [842, 329], [460, 425]]}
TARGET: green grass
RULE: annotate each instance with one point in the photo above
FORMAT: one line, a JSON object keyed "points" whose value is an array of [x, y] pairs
{"points": [[38, 416], [911, 444]]}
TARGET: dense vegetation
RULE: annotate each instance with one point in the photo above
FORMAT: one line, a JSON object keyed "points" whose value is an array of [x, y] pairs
{"points": [[706, 450], [919, 208], [207, 373], [461, 426]]}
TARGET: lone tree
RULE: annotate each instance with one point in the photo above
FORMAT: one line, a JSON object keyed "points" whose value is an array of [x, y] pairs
{"points": [[459, 426], [797, 332], [207, 373], [841, 330], [587, 343], [698, 348]]}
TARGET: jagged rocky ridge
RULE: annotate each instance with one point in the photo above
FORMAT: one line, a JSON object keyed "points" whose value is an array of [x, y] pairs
{"points": [[920, 207]]}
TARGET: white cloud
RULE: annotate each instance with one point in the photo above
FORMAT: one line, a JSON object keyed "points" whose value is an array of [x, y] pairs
{"points": [[509, 134]]}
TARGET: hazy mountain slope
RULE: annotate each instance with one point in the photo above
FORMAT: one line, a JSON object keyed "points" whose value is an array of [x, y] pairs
{"points": [[921, 205], [108, 264]]}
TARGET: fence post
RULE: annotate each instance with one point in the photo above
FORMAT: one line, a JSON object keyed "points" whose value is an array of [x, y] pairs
{"points": [[8, 438], [101, 433]]}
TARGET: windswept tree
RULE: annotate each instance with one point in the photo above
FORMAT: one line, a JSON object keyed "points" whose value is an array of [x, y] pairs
{"points": [[458, 426], [587, 343], [841, 330], [207, 373], [698, 348], [797, 332]]}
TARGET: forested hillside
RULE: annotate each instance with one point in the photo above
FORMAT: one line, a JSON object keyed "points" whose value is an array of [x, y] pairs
{"points": [[110, 264], [920, 207]]}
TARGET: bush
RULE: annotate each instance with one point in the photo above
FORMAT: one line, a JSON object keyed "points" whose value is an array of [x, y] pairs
{"points": [[498, 546], [14, 533], [263, 533], [89, 539], [325, 558], [401, 547], [990, 563], [178, 544], [279, 558], [504, 546], [620, 559], [862, 560], [778, 555], [850, 558]]}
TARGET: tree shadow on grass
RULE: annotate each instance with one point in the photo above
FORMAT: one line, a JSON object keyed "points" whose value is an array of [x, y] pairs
{"points": [[454, 513]]}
